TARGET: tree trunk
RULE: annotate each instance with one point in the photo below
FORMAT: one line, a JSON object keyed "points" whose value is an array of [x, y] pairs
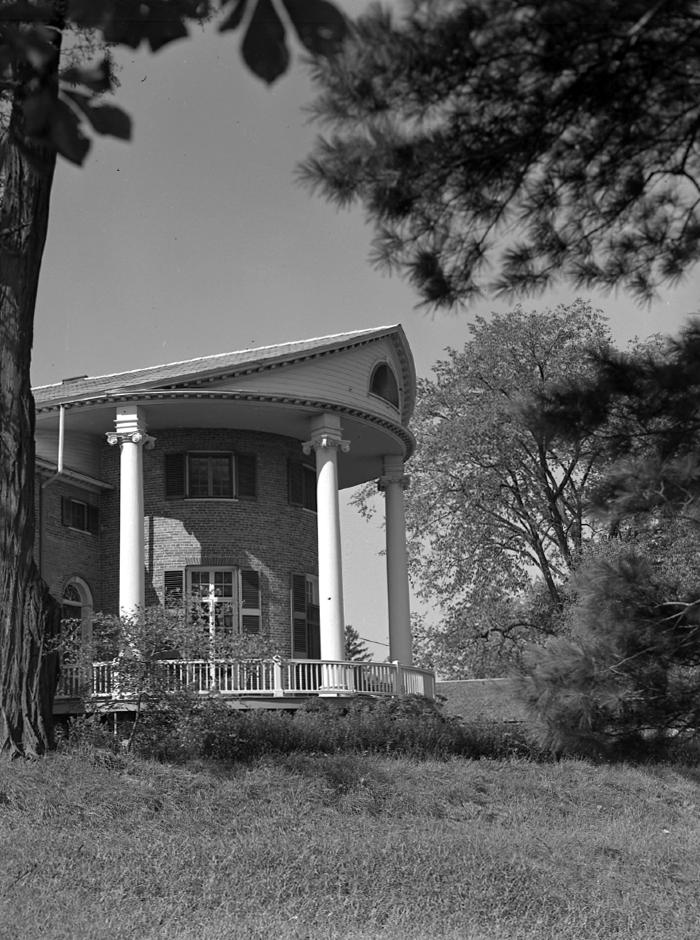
{"points": [[29, 616]]}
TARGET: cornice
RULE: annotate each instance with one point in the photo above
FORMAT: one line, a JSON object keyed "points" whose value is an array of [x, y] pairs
{"points": [[393, 427]]}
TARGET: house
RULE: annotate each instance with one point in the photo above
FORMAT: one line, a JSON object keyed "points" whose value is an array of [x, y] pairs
{"points": [[214, 483]]}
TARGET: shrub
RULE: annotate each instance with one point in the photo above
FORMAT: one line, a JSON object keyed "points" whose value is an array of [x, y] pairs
{"points": [[626, 682], [185, 727]]}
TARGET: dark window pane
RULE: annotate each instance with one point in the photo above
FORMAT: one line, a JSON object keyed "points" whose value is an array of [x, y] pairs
{"points": [[198, 476], [220, 476], [223, 583]]}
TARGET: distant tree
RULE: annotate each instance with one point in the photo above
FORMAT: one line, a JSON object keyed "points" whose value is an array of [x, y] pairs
{"points": [[503, 145], [496, 511], [355, 647], [47, 111]]}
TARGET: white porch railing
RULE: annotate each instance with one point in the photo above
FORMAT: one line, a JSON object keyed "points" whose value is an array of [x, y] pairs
{"points": [[255, 678]]}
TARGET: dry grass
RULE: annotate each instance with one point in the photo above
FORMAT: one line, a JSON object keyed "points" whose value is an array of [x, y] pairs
{"points": [[347, 847]]}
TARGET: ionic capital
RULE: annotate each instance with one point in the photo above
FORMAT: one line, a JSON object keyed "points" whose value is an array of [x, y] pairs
{"points": [[326, 433], [131, 437], [386, 479], [321, 441], [130, 428]]}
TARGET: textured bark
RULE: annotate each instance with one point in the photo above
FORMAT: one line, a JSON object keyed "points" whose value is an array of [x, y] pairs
{"points": [[29, 617]]}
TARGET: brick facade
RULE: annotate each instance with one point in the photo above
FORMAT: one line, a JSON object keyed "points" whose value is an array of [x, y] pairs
{"points": [[61, 551], [266, 534]]}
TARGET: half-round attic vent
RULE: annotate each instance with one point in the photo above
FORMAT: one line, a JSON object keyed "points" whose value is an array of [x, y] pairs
{"points": [[383, 384]]}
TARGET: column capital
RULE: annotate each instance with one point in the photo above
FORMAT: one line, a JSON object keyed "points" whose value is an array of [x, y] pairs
{"points": [[326, 432], [131, 437], [387, 478], [321, 441], [393, 473], [130, 428]]}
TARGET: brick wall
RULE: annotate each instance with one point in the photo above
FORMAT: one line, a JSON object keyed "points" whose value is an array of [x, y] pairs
{"points": [[62, 552], [266, 534]]}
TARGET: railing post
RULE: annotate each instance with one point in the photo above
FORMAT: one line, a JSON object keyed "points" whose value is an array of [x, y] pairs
{"points": [[398, 689], [277, 684]]}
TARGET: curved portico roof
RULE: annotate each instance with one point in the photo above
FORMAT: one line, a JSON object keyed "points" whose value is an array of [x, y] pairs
{"points": [[273, 388]]}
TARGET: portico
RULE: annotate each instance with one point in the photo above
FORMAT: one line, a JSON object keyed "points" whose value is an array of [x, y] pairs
{"points": [[222, 476]]}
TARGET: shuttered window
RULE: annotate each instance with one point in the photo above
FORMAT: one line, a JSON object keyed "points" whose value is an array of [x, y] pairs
{"points": [[212, 601], [77, 514], [210, 475], [301, 480]]}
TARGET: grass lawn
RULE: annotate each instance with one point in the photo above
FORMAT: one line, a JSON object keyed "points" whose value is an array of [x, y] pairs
{"points": [[347, 847]]}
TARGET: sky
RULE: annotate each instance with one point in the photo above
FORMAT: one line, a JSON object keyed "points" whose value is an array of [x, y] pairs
{"points": [[194, 238]]}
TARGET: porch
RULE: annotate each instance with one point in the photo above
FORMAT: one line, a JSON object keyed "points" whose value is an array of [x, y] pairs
{"points": [[250, 683]]}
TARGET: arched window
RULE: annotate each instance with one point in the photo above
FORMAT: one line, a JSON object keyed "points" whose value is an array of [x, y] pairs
{"points": [[72, 602], [383, 384], [76, 617]]}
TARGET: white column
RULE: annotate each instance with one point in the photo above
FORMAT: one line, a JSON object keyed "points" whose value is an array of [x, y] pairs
{"points": [[326, 439], [393, 483], [131, 436]]}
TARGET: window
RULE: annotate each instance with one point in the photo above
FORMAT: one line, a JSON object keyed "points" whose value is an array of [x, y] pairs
{"points": [[76, 619], [210, 475], [220, 602], [383, 384], [76, 514], [210, 601], [301, 479], [71, 603]]}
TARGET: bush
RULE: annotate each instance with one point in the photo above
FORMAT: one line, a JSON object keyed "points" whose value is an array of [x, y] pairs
{"points": [[186, 727], [625, 683]]}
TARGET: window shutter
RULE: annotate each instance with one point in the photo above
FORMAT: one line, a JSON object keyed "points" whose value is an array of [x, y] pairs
{"points": [[309, 481], [66, 511], [173, 588], [93, 519], [295, 480], [246, 482], [299, 638], [174, 476], [250, 601]]}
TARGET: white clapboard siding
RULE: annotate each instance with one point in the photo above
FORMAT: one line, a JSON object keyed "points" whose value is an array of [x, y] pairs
{"points": [[81, 451], [342, 377]]}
